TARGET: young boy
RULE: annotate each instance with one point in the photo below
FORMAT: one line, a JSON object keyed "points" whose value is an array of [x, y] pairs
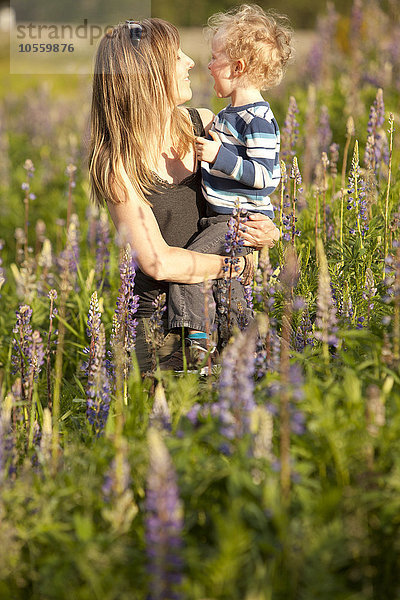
{"points": [[240, 160]]}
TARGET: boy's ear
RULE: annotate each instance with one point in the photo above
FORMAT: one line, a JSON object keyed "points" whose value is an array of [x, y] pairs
{"points": [[239, 67]]}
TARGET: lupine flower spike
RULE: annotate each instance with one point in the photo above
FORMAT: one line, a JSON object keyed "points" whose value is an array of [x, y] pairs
{"points": [[98, 386], [22, 346], [326, 321], [124, 323], [155, 327], [324, 186], [52, 314], [70, 172], [282, 197], [290, 131], [356, 199], [296, 177], [30, 169], [164, 522], [233, 244], [333, 160], [236, 385], [120, 507], [324, 130], [350, 132], [103, 249], [160, 414], [391, 131], [289, 278], [35, 364]]}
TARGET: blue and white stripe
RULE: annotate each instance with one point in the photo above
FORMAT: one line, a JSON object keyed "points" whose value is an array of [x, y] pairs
{"points": [[247, 165]]}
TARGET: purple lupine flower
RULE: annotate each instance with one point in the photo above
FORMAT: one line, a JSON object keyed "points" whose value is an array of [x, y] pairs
{"points": [[333, 158], [376, 149], [92, 331], [326, 321], [37, 355], [248, 295], [29, 168], [68, 259], [92, 218], [303, 336], [160, 414], [20, 242], [315, 59], [22, 346], [290, 131], [8, 455], [322, 50], [94, 319], [236, 385], [70, 171], [296, 177], [324, 130], [233, 247], [98, 393], [233, 240], [155, 330], [370, 291], [356, 20], [37, 436], [296, 382], [124, 322], [392, 276], [379, 108], [40, 231], [357, 195], [116, 484], [45, 449], [164, 522], [103, 249], [284, 196], [2, 270], [262, 275]]}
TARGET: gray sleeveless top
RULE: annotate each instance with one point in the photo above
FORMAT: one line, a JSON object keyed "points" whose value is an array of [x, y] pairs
{"points": [[177, 209]]}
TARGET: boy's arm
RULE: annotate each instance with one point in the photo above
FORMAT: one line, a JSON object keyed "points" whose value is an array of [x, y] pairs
{"points": [[260, 169]]}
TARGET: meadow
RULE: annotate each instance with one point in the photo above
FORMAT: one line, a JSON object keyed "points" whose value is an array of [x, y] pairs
{"points": [[278, 475]]}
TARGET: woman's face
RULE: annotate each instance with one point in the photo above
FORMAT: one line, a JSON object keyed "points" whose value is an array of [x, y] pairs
{"points": [[183, 65]]}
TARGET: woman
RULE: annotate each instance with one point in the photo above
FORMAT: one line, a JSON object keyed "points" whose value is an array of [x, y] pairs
{"points": [[143, 163]]}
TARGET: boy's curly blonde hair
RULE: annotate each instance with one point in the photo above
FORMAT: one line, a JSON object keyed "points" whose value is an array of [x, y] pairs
{"points": [[262, 39]]}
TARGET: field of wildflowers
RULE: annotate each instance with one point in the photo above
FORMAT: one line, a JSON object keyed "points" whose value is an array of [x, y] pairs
{"points": [[278, 476]]}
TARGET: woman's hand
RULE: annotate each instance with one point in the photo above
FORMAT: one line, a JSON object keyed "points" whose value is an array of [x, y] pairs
{"points": [[260, 231]]}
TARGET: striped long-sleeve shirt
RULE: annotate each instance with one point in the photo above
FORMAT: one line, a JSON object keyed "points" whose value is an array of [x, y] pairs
{"points": [[247, 164]]}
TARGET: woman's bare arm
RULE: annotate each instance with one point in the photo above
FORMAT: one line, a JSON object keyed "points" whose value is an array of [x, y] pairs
{"points": [[137, 225], [207, 117]]}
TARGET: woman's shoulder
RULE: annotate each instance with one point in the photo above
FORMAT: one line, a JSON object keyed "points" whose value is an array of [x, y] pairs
{"points": [[206, 116]]}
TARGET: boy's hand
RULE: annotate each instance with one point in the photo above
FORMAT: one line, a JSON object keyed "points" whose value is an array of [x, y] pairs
{"points": [[207, 150]]}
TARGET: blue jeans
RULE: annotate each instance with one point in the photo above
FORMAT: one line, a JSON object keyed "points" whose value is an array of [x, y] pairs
{"points": [[186, 306]]}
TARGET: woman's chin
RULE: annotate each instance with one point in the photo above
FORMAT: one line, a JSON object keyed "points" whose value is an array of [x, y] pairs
{"points": [[184, 97]]}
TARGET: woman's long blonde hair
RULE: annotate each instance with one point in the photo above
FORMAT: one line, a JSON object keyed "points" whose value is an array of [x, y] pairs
{"points": [[133, 103]]}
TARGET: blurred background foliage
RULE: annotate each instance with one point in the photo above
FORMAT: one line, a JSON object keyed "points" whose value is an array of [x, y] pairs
{"points": [[181, 12]]}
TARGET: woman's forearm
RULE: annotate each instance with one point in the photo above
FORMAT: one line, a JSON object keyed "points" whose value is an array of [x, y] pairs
{"points": [[185, 266], [137, 226]]}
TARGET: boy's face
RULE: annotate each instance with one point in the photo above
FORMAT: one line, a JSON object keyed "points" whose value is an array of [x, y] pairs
{"points": [[221, 68]]}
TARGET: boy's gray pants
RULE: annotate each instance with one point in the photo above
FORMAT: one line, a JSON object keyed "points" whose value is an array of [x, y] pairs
{"points": [[186, 305]]}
